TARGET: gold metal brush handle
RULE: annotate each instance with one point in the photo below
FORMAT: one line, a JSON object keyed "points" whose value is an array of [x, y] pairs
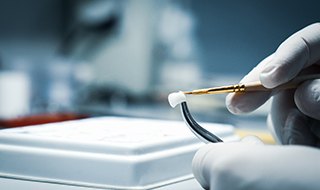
{"points": [[219, 90], [252, 86]]}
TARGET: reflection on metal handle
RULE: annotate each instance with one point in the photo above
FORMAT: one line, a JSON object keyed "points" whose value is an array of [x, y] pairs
{"points": [[218, 90]]}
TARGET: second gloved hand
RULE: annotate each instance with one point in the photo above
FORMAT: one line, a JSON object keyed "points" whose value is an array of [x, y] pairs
{"points": [[242, 166]]}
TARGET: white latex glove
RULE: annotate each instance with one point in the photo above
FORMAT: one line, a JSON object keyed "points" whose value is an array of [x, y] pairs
{"points": [[240, 166], [295, 114], [293, 119]]}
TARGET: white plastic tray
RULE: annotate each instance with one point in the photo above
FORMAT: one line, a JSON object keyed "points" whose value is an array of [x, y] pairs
{"points": [[105, 152]]}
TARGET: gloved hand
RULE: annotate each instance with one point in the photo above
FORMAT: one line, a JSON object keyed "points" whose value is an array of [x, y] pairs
{"points": [[293, 119], [241, 166], [295, 114]]}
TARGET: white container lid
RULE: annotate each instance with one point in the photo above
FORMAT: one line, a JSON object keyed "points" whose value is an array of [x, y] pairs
{"points": [[105, 152]]}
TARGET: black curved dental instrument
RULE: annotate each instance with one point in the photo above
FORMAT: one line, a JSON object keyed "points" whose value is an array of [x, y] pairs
{"points": [[199, 131]]}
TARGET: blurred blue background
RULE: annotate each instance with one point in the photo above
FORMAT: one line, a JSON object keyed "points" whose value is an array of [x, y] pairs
{"points": [[124, 57]]}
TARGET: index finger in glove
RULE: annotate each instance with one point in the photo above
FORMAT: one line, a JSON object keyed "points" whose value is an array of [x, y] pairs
{"points": [[296, 53]]}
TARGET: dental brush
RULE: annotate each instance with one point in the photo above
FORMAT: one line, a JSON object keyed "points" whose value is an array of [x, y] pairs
{"points": [[252, 86], [206, 136]]}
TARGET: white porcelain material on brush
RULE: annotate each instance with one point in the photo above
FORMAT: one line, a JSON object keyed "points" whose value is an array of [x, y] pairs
{"points": [[176, 98]]}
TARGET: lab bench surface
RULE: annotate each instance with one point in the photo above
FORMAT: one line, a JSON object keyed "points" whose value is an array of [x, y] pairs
{"points": [[13, 184]]}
